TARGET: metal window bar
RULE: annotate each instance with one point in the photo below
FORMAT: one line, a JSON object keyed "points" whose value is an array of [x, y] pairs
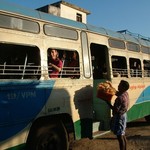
{"points": [[117, 72], [29, 71], [25, 63]]}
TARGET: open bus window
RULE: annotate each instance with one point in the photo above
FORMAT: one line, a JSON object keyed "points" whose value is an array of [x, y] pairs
{"points": [[146, 68], [119, 66], [19, 62], [135, 67], [67, 60]]}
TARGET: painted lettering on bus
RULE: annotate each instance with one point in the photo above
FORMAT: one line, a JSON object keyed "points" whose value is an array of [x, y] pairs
{"points": [[140, 86], [23, 95]]}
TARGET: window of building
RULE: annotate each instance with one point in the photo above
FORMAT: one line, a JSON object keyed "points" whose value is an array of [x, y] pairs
{"points": [[135, 67], [119, 66], [17, 62], [79, 17], [64, 65]]}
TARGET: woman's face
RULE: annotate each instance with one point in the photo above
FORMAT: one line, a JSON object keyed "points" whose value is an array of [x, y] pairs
{"points": [[54, 54]]}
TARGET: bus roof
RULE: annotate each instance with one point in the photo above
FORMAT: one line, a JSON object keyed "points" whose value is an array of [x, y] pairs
{"points": [[11, 7]]}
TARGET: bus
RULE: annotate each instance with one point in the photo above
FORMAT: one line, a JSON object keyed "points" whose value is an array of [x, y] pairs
{"points": [[38, 112]]}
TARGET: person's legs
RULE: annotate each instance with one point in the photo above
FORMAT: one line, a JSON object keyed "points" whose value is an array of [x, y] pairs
{"points": [[125, 141], [86, 128], [122, 142], [120, 126]]}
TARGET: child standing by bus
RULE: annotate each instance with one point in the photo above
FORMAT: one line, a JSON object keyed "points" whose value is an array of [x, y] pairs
{"points": [[119, 113]]}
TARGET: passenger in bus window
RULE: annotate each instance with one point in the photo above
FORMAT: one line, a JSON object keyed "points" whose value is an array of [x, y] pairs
{"points": [[64, 59], [73, 65], [55, 64]]}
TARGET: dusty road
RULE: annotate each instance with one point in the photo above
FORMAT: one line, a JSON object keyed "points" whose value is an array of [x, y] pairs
{"points": [[137, 133]]}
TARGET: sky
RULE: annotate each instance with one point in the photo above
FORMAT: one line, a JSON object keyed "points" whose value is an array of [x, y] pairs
{"points": [[116, 15]]}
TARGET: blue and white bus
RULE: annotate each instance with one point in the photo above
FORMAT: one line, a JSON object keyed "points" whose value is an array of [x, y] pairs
{"points": [[38, 112]]}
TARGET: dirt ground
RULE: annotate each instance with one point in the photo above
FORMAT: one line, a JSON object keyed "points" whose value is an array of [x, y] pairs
{"points": [[138, 137]]}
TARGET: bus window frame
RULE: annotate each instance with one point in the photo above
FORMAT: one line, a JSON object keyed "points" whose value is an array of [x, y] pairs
{"points": [[18, 65], [117, 71], [145, 50], [130, 46], [85, 55], [61, 28], [67, 71], [114, 45], [20, 19], [135, 66]]}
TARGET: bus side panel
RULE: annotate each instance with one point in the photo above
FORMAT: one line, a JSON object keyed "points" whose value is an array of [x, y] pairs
{"points": [[141, 107], [102, 111], [20, 103]]}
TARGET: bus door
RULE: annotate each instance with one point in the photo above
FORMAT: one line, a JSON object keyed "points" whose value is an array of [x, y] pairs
{"points": [[100, 66]]}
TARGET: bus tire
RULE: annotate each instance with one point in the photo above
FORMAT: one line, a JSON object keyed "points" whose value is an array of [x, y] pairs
{"points": [[147, 118], [49, 137]]}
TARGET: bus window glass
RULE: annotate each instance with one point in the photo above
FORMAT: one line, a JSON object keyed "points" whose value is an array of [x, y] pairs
{"points": [[146, 68], [18, 24], [116, 43], [85, 55], [119, 66], [135, 67], [60, 32], [145, 50], [63, 63], [133, 47], [17, 62]]}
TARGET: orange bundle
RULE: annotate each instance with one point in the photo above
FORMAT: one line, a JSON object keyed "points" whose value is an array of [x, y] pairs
{"points": [[105, 90]]}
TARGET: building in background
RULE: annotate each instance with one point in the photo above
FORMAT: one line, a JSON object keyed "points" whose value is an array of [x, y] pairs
{"points": [[66, 10]]}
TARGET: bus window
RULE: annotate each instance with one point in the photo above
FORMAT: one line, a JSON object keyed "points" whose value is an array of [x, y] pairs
{"points": [[18, 24], [146, 68], [66, 60], [135, 67], [17, 62], [116, 43], [133, 47], [61, 32], [145, 50], [119, 66]]}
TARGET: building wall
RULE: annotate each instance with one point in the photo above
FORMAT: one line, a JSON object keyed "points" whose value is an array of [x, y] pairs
{"points": [[70, 13]]}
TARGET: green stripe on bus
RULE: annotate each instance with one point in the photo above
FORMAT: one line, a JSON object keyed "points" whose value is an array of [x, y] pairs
{"points": [[77, 126], [138, 111]]}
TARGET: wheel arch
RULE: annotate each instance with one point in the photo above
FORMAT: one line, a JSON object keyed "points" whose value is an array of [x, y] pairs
{"points": [[64, 118]]}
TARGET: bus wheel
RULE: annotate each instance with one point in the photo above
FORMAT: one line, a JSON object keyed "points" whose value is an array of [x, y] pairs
{"points": [[49, 137], [147, 118]]}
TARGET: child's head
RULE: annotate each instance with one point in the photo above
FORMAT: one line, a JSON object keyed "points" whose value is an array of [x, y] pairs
{"points": [[54, 54], [123, 86]]}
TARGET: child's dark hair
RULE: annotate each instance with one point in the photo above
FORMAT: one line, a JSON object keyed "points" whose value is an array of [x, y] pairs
{"points": [[125, 85]]}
